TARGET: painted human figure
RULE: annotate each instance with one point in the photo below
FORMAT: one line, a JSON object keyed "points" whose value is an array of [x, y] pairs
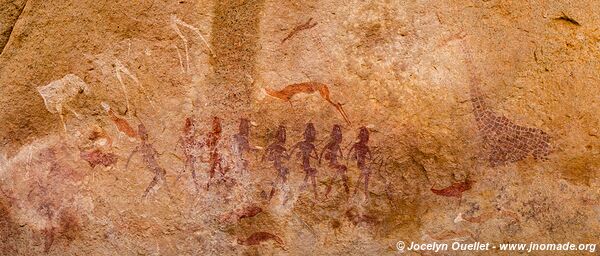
{"points": [[215, 159], [362, 155], [241, 145], [308, 151], [191, 147], [150, 158], [277, 153], [331, 152]]}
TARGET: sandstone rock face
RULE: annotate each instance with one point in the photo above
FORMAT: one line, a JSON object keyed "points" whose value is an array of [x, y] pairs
{"points": [[296, 127], [11, 10]]}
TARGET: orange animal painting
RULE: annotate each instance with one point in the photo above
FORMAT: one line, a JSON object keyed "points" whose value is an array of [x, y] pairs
{"points": [[289, 91], [121, 123], [307, 25], [454, 190]]}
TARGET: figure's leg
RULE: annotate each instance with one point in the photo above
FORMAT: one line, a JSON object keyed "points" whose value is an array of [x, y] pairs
{"points": [[285, 190], [218, 164], [213, 165], [278, 181], [209, 179], [185, 168], [135, 150], [272, 193], [367, 174], [273, 186], [159, 176], [343, 170], [211, 171], [195, 178], [221, 169], [330, 184], [328, 188], [305, 180], [244, 166], [358, 183], [49, 234], [218, 167], [189, 164], [313, 177], [62, 121], [284, 175]]}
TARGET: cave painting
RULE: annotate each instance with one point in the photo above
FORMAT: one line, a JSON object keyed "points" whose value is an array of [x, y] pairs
{"points": [[362, 155], [96, 157], [59, 93], [308, 151], [191, 147], [150, 158], [304, 26], [505, 141], [216, 160], [289, 91], [121, 124], [277, 153], [45, 186], [454, 190], [331, 152], [207, 150], [241, 145]]}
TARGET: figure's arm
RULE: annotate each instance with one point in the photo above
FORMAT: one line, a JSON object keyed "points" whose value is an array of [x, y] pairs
{"points": [[370, 156], [254, 148], [131, 156], [322, 151], [155, 152], [285, 154], [350, 150], [293, 149], [341, 153], [349, 153], [314, 154], [267, 151], [257, 148]]}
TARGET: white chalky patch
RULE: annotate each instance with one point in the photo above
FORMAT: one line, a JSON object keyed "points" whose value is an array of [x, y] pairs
{"points": [[57, 94]]}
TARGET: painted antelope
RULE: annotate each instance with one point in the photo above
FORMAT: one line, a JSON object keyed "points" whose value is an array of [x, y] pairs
{"points": [[289, 91]]}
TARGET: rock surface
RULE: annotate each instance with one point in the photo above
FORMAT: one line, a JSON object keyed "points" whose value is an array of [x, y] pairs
{"points": [[180, 127]]}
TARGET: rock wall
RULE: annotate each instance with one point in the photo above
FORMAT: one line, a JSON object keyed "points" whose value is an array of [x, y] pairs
{"points": [[296, 127]]}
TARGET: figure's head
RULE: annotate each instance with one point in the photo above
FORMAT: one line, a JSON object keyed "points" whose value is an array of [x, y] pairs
{"points": [[336, 133], [363, 135], [244, 126], [142, 132], [281, 134], [216, 125], [310, 133]]}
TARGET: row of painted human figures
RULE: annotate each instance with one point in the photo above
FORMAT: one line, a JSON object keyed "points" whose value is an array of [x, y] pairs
{"points": [[277, 153]]}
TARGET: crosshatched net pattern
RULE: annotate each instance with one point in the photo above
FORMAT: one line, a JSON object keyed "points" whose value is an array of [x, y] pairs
{"points": [[505, 141]]}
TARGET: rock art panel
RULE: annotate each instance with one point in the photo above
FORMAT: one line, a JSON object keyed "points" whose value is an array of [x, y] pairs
{"points": [[57, 94], [296, 127], [43, 189]]}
